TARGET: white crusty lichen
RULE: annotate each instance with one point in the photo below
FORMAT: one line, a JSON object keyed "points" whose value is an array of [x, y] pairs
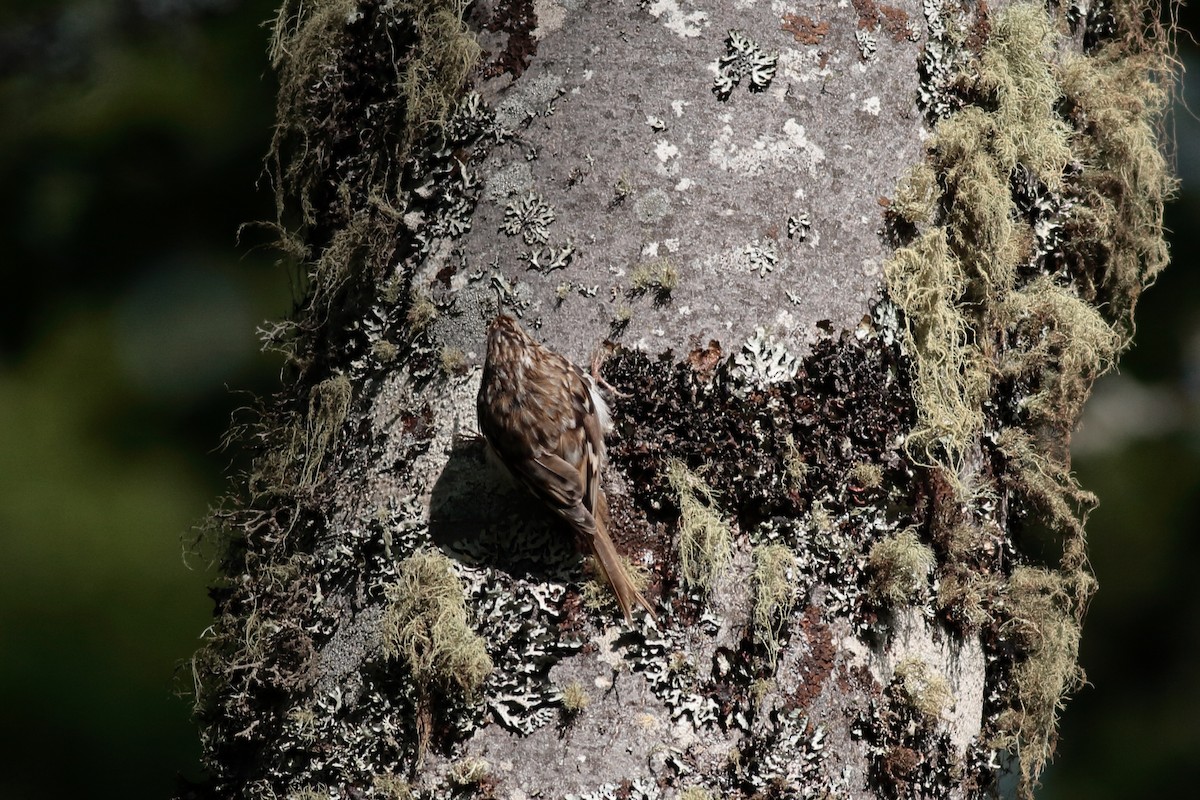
{"points": [[769, 153], [548, 259], [867, 41], [761, 256], [530, 216], [798, 226], [743, 58], [939, 59], [520, 618], [639, 789]]}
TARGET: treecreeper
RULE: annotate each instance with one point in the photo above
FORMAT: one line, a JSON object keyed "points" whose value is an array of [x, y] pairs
{"points": [[545, 420]]}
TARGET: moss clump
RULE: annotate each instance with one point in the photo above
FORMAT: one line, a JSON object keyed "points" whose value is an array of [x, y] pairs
{"points": [[1044, 483], [432, 56], [660, 277], [923, 689], [964, 598], [1063, 345], [1045, 623], [926, 281], [705, 541], [900, 567], [468, 772], [392, 787], [454, 361], [425, 625], [1033, 227], [794, 466], [1016, 74], [1115, 99], [775, 594], [866, 475], [310, 793], [384, 351], [574, 699], [421, 312], [695, 793], [916, 196]]}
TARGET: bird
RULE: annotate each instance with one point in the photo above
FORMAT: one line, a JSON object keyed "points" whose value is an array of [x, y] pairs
{"points": [[545, 420]]}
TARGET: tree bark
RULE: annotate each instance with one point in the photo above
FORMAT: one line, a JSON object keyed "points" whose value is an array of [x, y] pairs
{"points": [[852, 270]]}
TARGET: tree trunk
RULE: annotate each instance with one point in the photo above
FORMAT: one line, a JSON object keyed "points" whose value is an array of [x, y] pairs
{"points": [[857, 269]]}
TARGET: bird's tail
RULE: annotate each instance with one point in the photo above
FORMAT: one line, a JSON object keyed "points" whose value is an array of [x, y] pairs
{"points": [[613, 569]]}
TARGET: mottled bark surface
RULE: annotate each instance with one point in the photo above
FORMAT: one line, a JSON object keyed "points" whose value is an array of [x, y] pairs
{"points": [[856, 268]]}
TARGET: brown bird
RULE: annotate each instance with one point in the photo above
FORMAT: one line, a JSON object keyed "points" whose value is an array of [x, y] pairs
{"points": [[545, 420]]}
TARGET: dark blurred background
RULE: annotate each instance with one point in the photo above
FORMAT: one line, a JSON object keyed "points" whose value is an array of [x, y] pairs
{"points": [[132, 134]]}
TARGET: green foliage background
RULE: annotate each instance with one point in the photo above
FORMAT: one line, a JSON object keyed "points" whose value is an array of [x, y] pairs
{"points": [[131, 141]]}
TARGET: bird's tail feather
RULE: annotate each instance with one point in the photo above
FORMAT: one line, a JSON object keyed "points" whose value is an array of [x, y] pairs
{"points": [[613, 569]]}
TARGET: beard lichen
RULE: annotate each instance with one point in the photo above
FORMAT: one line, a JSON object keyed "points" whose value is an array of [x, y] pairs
{"points": [[705, 540], [1025, 239]]}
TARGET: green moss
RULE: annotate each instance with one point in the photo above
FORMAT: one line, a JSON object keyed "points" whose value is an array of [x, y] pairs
{"points": [[866, 475], [926, 282], [1116, 98], [392, 787], [1063, 345], [900, 567], [307, 46], [1016, 75], [794, 465], [454, 361], [1009, 340], [775, 595], [384, 351], [705, 541], [310, 793], [695, 793], [425, 625], [979, 229], [421, 312], [916, 196], [965, 598]]}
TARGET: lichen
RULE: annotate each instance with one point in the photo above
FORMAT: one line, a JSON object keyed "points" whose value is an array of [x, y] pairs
{"points": [[425, 625], [775, 594], [925, 690], [1024, 240], [743, 58], [660, 277], [900, 568], [1045, 622], [705, 541], [575, 699]]}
